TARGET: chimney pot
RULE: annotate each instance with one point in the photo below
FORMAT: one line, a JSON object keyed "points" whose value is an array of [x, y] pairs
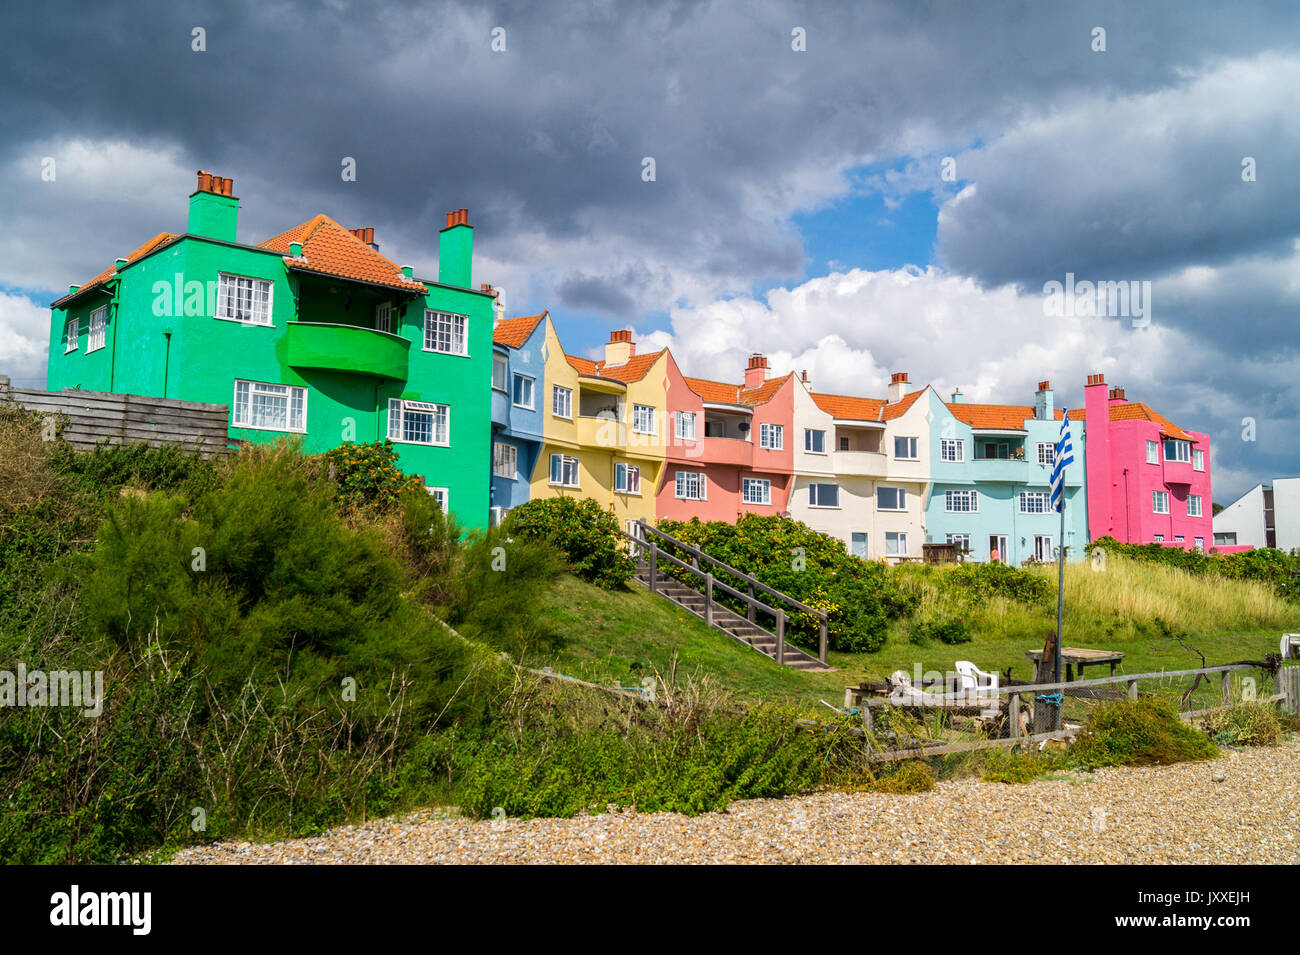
{"points": [[898, 376], [1044, 386]]}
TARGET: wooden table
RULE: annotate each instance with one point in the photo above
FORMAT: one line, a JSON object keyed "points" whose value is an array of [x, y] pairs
{"points": [[1076, 656]]}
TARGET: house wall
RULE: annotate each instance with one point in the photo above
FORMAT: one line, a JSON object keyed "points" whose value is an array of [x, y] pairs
{"points": [[1286, 512], [1245, 518]]}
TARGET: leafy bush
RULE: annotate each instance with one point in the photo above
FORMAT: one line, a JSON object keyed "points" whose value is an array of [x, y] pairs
{"points": [[368, 477], [584, 532], [902, 778], [1267, 564], [1138, 733], [950, 630], [1246, 724], [980, 582]]}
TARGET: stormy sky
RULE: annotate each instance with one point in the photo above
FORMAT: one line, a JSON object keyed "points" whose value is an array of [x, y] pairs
{"points": [[799, 207]]}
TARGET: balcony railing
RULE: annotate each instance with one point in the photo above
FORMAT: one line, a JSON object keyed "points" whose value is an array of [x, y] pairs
{"points": [[348, 348]]}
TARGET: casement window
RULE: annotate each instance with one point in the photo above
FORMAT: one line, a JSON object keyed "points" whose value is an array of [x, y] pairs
{"points": [[1198, 459], [961, 540], [895, 544], [685, 425], [1226, 540], [814, 441], [1180, 539], [1158, 538], [1042, 547], [823, 495], [1046, 453], [1160, 502], [445, 333], [500, 372], [844, 442], [905, 449], [756, 491], [858, 544], [691, 486], [1153, 452], [442, 495], [1180, 452], [952, 449], [771, 436], [891, 499], [564, 470], [961, 502], [523, 396], [1198, 543], [98, 321], [643, 419], [419, 422], [1034, 502], [241, 299], [71, 330], [270, 407], [1193, 505], [386, 318], [561, 402], [627, 479], [505, 460]]}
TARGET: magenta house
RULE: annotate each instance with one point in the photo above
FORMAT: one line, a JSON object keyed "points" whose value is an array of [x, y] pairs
{"points": [[1148, 479]]}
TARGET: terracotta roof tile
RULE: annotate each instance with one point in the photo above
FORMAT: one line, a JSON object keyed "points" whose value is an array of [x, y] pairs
{"points": [[718, 392], [848, 407], [1139, 411], [891, 411], [515, 331], [585, 366], [634, 369], [765, 391], [330, 249], [161, 239]]}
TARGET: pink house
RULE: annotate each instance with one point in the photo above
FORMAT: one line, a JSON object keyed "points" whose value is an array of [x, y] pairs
{"points": [[730, 451], [1148, 479]]}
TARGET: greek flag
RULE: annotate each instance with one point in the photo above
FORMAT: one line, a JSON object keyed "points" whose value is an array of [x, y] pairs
{"points": [[1064, 457]]}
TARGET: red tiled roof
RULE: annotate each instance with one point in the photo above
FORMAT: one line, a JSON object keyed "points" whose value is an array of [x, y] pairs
{"points": [[847, 407], [330, 249], [1139, 411], [718, 392], [515, 331], [161, 239], [891, 411], [765, 391], [585, 366], [1001, 417], [634, 369]]}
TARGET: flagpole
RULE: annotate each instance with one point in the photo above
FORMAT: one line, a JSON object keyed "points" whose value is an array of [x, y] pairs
{"points": [[1060, 605]]}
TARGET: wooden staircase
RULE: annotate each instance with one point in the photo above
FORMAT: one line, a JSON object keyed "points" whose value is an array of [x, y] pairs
{"points": [[701, 602]]}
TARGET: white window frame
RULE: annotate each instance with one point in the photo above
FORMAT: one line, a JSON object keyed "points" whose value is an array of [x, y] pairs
{"points": [[241, 409], [1153, 452], [771, 437], [900, 495], [961, 540], [1199, 512], [231, 309], [1182, 451], [446, 328], [814, 497], [900, 543], [562, 402], [505, 460], [764, 495], [1158, 497], [808, 441], [1046, 453], [500, 361], [643, 419], [1198, 543], [952, 450], [866, 544], [568, 464], [681, 482], [71, 332], [442, 495], [96, 337], [399, 408], [683, 418], [386, 318], [915, 448], [532, 391], [1035, 502], [1158, 538], [627, 479], [1198, 459], [1038, 547], [965, 501]]}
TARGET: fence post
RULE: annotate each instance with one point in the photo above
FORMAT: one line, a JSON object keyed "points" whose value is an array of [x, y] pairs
{"points": [[1227, 688], [654, 567], [780, 636], [1288, 684], [821, 639], [708, 600], [1013, 715], [1132, 689]]}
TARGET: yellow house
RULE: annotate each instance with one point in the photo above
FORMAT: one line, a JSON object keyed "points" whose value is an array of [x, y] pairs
{"points": [[604, 426]]}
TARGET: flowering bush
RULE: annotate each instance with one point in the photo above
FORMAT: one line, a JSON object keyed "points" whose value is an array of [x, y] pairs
{"points": [[368, 477], [584, 532]]}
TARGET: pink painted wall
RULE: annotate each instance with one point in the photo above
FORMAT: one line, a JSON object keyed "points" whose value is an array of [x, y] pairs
{"points": [[1121, 482]]}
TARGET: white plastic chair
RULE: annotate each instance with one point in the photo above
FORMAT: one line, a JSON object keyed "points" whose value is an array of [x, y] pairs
{"points": [[1289, 645], [973, 678]]}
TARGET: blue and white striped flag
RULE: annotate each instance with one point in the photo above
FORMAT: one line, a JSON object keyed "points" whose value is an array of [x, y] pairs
{"points": [[1064, 457]]}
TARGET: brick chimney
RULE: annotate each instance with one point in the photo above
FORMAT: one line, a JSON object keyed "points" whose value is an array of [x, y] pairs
{"points": [[807, 382], [1101, 482], [897, 386], [1116, 396], [620, 347], [366, 235], [456, 250], [956, 397], [214, 209], [756, 372], [1043, 406]]}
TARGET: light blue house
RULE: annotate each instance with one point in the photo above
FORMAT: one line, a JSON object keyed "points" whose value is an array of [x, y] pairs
{"points": [[517, 357], [990, 490]]}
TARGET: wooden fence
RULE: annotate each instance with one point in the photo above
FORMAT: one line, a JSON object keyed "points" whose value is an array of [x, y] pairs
{"points": [[88, 418]]}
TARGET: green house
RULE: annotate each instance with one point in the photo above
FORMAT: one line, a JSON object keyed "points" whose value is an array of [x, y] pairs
{"points": [[312, 333]]}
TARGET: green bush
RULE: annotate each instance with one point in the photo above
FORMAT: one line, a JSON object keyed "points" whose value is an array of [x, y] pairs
{"points": [[368, 477], [584, 532], [1140, 732], [1266, 564], [950, 630], [1246, 724], [980, 582]]}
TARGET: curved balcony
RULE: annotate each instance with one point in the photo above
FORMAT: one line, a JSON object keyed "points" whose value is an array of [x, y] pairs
{"points": [[347, 348]]}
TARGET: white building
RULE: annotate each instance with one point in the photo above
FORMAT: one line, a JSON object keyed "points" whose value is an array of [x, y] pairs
{"points": [[1268, 515]]}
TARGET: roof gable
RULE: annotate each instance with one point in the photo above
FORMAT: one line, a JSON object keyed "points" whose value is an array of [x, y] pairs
{"points": [[513, 332], [157, 242], [330, 249]]}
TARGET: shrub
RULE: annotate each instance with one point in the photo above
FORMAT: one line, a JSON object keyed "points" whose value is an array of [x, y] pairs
{"points": [[368, 477], [1138, 732], [980, 582], [1246, 724], [584, 532], [950, 630], [902, 778], [1267, 564]]}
